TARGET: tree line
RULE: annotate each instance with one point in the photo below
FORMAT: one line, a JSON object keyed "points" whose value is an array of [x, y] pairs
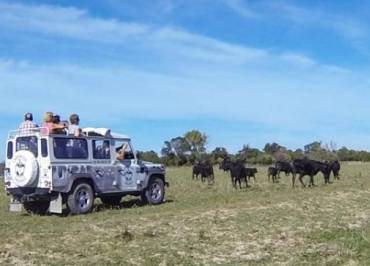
{"points": [[191, 147]]}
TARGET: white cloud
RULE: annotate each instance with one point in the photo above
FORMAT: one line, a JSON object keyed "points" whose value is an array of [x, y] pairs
{"points": [[241, 7], [66, 22], [78, 24], [344, 26], [297, 59], [202, 77], [349, 28]]}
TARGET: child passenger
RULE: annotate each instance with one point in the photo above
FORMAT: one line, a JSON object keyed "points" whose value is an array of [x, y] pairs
{"points": [[73, 128]]}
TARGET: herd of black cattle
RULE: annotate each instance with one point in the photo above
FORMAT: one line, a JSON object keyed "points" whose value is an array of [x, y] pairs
{"points": [[239, 173]]}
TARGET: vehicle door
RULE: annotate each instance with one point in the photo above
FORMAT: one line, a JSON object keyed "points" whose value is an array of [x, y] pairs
{"points": [[104, 172], [127, 169]]}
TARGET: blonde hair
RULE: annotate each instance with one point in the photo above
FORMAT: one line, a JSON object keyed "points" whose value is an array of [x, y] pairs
{"points": [[48, 117]]}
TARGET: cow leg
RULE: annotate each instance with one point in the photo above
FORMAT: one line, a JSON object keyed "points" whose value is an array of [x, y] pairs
{"points": [[211, 179], [312, 183], [301, 180], [329, 182], [293, 180]]}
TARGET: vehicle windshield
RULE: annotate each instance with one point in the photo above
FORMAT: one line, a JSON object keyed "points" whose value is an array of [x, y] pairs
{"points": [[27, 144]]}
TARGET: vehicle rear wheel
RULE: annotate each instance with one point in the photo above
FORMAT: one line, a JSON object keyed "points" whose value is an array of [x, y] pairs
{"points": [[154, 193], [81, 199], [111, 200], [36, 207]]}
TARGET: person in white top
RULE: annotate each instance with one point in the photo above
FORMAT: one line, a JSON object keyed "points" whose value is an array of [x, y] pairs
{"points": [[73, 128]]}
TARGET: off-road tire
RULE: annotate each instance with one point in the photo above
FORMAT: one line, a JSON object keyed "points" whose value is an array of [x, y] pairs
{"points": [[36, 207], [81, 199], [154, 193]]}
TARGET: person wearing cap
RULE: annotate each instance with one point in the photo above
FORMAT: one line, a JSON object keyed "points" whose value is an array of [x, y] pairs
{"points": [[73, 128], [27, 126]]}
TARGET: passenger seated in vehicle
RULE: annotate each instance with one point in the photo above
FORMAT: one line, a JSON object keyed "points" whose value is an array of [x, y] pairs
{"points": [[56, 121], [73, 128], [106, 150], [121, 151], [27, 125], [48, 123]]}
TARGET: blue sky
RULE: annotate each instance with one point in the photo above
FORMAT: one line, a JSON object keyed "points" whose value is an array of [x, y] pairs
{"points": [[244, 72]]}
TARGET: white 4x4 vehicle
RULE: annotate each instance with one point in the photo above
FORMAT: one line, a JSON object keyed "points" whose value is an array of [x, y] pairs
{"points": [[45, 171]]}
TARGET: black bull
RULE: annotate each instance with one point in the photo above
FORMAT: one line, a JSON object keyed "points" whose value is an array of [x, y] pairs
{"points": [[205, 170], [311, 168], [285, 167]]}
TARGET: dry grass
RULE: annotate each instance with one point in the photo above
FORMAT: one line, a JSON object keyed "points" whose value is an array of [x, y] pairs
{"points": [[206, 225]]}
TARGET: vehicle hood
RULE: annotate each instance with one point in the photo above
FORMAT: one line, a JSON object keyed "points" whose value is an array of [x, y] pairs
{"points": [[152, 165]]}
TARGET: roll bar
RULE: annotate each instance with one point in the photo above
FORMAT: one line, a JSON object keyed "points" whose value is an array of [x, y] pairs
{"points": [[25, 132]]}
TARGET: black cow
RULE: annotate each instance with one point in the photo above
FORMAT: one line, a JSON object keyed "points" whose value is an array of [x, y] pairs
{"points": [[225, 164], [205, 170], [272, 172], [251, 172], [238, 173], [335, 168], [311, 168], [196, 170], [283, 167]]}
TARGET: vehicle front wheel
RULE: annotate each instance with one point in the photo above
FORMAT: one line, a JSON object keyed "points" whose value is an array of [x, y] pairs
{"points": [[111, 200], [81, 199], [154, 193], [36, 207]]}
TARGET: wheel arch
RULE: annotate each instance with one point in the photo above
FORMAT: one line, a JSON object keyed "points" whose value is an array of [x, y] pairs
{"points": [[153, 176], [82, 179]]}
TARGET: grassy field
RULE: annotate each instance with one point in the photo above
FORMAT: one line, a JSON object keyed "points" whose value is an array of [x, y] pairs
{"points": [[267, 224]]}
